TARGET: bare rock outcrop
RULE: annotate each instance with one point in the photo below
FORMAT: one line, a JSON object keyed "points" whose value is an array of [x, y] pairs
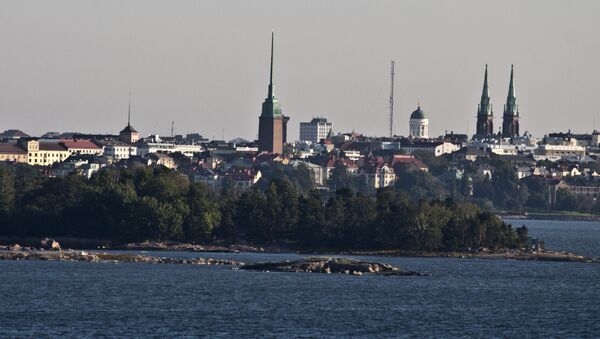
{"points": [[330, 265]]}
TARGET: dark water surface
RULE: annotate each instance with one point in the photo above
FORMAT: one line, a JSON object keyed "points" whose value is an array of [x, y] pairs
{"points": [[463, 298]]}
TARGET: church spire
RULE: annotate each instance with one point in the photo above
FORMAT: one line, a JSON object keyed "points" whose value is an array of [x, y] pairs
{"points": [[271, 73], [129, 112], [271, 107], [485, 116], [485, 93], [485, 108], [511, 100], [510, 123], [511, 87]]}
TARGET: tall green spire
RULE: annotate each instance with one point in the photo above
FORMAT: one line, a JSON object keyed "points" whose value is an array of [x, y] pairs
{"points": [[511, 107], [271, 107], [129, 112], [270, 95], [485, 108], [485, 93]]}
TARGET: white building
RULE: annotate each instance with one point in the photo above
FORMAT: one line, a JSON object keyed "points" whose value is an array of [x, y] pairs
{"points": [[557, 152], [317, 173], [82, 146], [315, 130], [419, 124], [159, 147], [503, 149], [119, 150], [436, 147], [379, 176]]}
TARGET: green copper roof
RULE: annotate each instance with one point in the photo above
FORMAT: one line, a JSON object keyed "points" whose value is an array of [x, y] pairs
{"points": [[418, 114], [271, 106], [485, 108]]}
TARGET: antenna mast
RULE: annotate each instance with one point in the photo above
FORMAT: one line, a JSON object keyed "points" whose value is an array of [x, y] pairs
{"points": [[392, 101], [172, 129]]}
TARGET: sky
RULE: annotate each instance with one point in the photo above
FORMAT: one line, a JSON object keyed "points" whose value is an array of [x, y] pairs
{"points": [[70, 65]]}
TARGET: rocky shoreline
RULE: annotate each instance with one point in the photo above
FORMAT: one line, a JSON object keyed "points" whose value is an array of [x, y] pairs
{"points": [[330, 265], [307, 265], [84, 256], [531, 255], [541, 255], [545, 255], [176, 246]]}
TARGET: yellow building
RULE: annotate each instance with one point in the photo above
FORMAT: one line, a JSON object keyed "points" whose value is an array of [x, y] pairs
{"points": [[12, 153], [45, 153]]}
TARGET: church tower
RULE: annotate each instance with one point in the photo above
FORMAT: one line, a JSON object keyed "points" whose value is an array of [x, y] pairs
{"points": [[271, 124], [510, 120], [485, 116], [129, 134], [418, 124]]}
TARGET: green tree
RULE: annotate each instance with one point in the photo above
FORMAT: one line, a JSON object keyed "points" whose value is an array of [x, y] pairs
{"points": [[7, 192], [309, 229], [250, 218], [204, 213]]}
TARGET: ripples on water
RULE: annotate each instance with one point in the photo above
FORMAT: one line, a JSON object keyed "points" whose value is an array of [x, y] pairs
{"points": [[471, 298]]}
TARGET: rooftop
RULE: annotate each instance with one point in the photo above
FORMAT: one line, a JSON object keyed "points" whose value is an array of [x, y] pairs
{"points": [[81, 144]]}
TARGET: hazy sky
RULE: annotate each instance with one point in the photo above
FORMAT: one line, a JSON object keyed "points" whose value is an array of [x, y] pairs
{"points": [[69, 65]]}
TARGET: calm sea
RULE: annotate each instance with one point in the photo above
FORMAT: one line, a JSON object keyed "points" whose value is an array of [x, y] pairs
{"points": [[462, 298]]}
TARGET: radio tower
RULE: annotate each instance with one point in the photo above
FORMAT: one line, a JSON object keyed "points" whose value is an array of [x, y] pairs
{"points": [[392, 101]]}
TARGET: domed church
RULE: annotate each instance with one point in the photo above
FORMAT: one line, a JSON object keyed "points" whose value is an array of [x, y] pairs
{"points": [[419, 124]]}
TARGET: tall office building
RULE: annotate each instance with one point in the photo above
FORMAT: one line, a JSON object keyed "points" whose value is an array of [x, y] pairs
{"points": [[315, 130]]}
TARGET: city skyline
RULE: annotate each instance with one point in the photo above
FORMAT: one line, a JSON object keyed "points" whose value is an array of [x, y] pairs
{"points": [[204, 79]]}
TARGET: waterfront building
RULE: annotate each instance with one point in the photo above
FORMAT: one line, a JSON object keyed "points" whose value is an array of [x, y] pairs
{"points": [[510, 119], [272, 126], [485, 115], [419, 124], [316, 130], [588, 191]]}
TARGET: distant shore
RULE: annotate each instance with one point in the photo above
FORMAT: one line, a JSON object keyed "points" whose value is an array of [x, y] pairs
{"points": [[17, 252], [561, 216]]}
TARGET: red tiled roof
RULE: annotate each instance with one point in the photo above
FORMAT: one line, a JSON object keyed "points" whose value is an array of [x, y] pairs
{"points": [[241, 175], [11, 149], [80, 144], [52, 146]]}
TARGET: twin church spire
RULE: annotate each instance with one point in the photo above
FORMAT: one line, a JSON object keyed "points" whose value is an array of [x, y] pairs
{"points": [[510, 120], [485, 114], [511, 100]]}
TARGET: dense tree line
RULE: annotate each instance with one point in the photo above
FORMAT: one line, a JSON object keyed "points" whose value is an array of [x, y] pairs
{"points": [[500, 191], [139, 204]]}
